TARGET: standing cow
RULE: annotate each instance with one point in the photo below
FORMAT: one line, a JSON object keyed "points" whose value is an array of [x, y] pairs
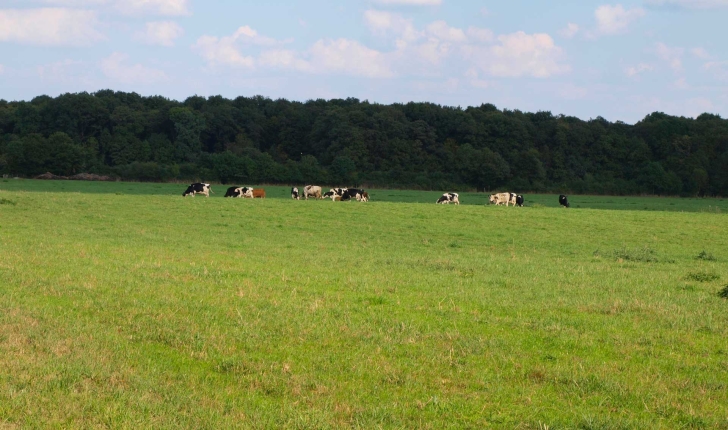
{"points": [[312, 191], [198, 188], [448, 198], [501, 198], [240, 192], [564, 201], [294, 194], [519, 200]]}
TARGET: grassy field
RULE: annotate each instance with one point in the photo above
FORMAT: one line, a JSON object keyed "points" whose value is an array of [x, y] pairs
{"points": [[126, 306], [719, 205]]}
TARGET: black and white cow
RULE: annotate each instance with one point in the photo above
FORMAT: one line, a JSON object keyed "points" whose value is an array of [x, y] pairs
{"points": [[198, 188], [563, 201], [241, 192], [294, 194], [519, 200], [355, 193], [448, 198], [335, 193]]}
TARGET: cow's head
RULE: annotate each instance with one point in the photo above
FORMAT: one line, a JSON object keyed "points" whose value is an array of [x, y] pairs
{"points": [[493, 198]]}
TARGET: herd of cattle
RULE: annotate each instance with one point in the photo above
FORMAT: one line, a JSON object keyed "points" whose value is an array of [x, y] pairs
{"points": [[348, 194]]}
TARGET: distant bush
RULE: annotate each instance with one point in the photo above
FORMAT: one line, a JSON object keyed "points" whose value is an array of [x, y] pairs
{"points": [[701, 277], [705, 256]]}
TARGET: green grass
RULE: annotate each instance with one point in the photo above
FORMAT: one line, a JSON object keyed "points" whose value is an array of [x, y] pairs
{"points": [[707, 205], [147, 310]]}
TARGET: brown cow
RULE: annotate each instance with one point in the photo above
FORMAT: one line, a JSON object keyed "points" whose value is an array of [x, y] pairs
{"points": [[258, 193]]}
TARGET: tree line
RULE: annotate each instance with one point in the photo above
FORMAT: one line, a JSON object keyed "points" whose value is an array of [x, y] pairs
{"points": [[349, 142]]}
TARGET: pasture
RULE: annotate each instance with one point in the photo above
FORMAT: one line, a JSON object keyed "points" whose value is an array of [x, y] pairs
{"points": [[126, 306]]}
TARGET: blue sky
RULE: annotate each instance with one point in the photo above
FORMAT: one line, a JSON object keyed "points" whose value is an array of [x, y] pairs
{"points": [[620, 61]]}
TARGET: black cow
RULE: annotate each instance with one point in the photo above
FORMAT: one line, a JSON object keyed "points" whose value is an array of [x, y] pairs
{"points": [[519, 200], [197, 188], [294, 194], [563, 201]]}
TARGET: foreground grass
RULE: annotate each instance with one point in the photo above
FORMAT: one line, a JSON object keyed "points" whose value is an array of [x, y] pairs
{"points": [[156, 311]]}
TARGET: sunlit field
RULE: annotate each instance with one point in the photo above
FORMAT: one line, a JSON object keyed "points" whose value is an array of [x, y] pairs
{"points": [[124, 305]]}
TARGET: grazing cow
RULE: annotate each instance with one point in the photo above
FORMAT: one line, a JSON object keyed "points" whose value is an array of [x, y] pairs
{"points": [[519, 200], [258, 193], [335, 193], [294, 194], [198, 188], [563, 201], [353, 193], [448, 198], [241, 192], [365, 196], [501, 198], [312, 191]]}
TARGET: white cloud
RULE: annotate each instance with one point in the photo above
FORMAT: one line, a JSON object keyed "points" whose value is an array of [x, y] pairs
{"points": [[49, 26], [616, 19], [672, 56], [410, 2], [131, 7], [161, 33], [718, 68], [383, 24], [700, 53], [681, 84], [570, 30], [349, 57], [690, 4], [285, 59], [519, 54], [222, 52], [441, 31], [638, 69], [114, 67], [480, 35], [155, 7], [226, 50], [75, 3]]}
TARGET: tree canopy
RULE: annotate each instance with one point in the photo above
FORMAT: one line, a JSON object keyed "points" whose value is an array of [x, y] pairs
{"points": [[351, 142]]}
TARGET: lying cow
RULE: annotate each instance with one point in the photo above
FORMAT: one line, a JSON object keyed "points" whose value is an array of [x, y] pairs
{"points": [[198, 188], [500, 199], [294, 194], [448, 198], [312, 191], [258, 193], [563, 201], [240, 192]]}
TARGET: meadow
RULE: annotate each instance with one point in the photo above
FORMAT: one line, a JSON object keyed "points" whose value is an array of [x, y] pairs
{"points": [[123, 305]]}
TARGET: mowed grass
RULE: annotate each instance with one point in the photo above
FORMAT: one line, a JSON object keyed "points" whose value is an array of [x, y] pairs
{"points": [[710, 205], [144, 310]]}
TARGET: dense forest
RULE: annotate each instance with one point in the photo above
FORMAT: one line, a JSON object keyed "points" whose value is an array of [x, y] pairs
{"points": [[351, 142]]}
